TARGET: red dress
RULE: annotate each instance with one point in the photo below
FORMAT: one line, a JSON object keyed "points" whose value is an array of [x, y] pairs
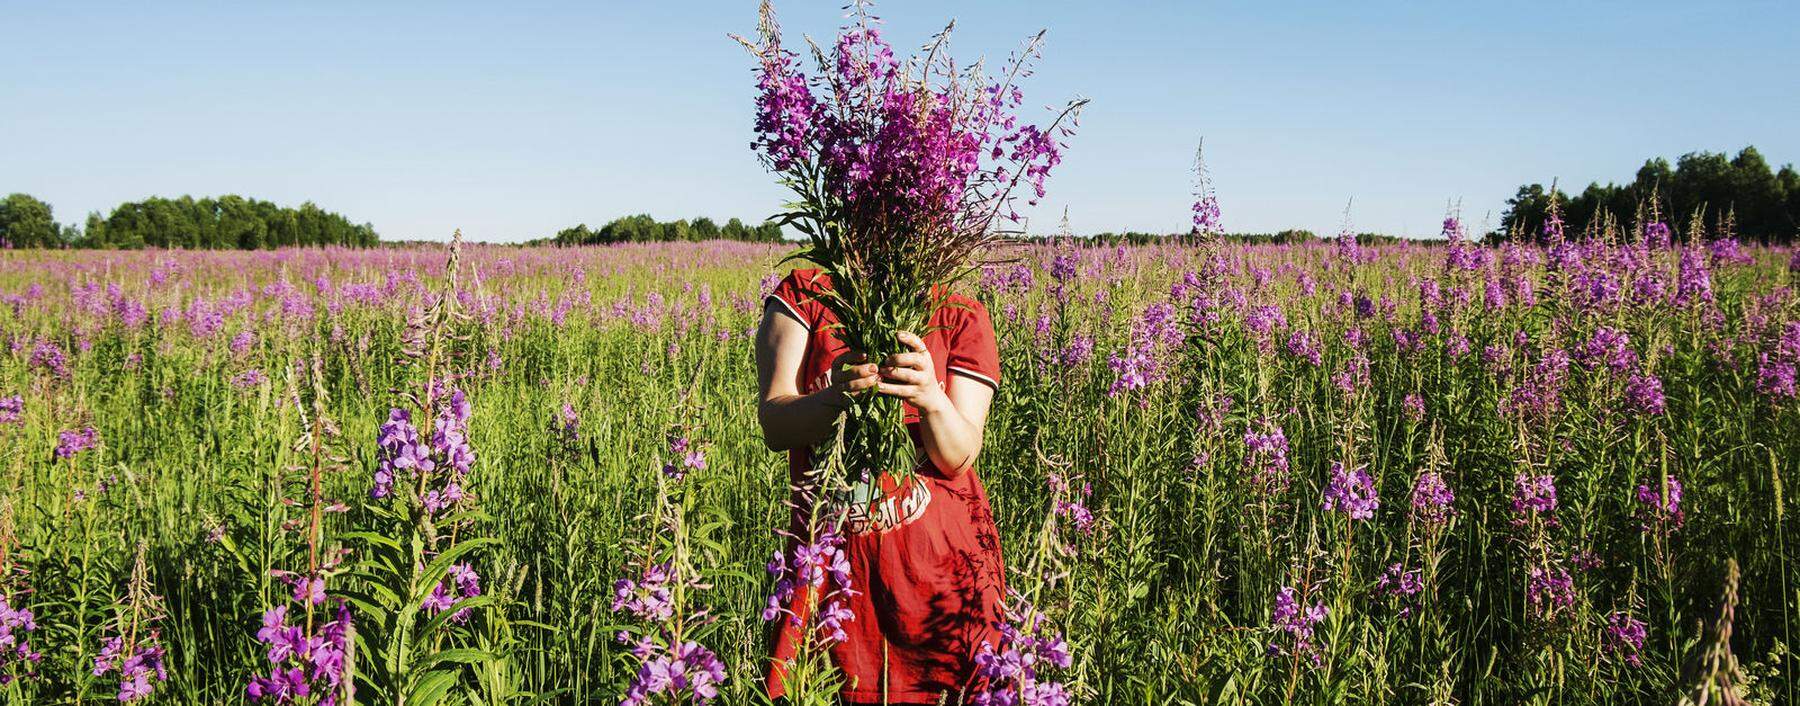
{"points": [[926, 562]]}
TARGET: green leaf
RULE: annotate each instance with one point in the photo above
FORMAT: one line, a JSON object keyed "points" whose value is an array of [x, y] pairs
{"points": [[432, 687], [465, 655]]}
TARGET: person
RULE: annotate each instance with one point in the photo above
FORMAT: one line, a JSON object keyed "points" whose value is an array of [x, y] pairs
{"points": [[923, 550]]}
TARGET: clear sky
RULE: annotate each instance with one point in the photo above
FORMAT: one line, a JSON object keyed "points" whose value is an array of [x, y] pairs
{"points": [[513, 119]]}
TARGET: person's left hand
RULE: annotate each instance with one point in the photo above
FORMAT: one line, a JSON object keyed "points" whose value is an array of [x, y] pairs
{"points": [[912, 376]]}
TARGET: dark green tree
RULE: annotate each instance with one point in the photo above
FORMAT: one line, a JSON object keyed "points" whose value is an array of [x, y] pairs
{"points": [[26, 222]]}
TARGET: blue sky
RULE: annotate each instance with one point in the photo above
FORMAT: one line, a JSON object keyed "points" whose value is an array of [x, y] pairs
{"points": [[511, 120]]}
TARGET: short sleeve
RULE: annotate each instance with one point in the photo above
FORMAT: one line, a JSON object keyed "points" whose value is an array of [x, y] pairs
{"points": [[973, 351], [793, 297]]}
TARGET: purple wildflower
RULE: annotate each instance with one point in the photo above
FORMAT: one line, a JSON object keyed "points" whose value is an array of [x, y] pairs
{"points": [[72, 442], [1533, 495], [1296, 623], [1660, 504], [135, 664], [17, 657], [1015, 668], [1623, 638], [807, 568], [1414, 407], [1400, 584], [1645, 393], [249, 379], [1432, 499], [688, 673], [1549, 591], [1072, 505], [1352, 492], [459, 584], [49, 357], [12, 411], [302, 665], [1693, 282], [1266, 457], [649, 597]]}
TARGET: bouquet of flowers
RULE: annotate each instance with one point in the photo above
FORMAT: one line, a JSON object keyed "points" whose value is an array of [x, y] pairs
{"points": [[901, 171]]}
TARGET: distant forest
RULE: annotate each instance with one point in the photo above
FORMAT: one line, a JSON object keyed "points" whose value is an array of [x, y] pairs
{"points": [[1763, 204], [642, 228], [225, 222]]}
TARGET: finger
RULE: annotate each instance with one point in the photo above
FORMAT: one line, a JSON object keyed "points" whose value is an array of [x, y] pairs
{"points": [[854, 371], [902, 391], [916, 361], [859, 384], [906, 376], [848, 358], [910, 340]]}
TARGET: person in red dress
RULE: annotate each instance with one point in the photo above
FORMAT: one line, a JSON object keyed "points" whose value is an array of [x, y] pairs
{"points": [[925, 559]]}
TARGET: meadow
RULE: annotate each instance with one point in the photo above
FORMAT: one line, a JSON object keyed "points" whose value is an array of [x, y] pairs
{"points": [[1226, 473]]}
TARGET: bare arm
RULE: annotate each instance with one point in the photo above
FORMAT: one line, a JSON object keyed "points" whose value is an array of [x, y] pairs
{"points": [[791, 420], [952, 415]]}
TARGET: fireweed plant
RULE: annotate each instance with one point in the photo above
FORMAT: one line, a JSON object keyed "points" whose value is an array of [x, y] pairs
{"points": [[902, 171], [418, 595], [19, 660], [667, 634], [132, 651], [309, 635]]}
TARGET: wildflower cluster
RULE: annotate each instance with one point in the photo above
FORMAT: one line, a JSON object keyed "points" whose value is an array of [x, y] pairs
{"points": [[1549, 590], [1352, 492], [439, 467], [1623, 638], [135, 662], [17, 657], [1295, 622], [672, 667], [686, 672], [1071, 504], [566, 425], [648, 597], [133, 650], [12, 411], [1778, 369], [69, 443], [1432, 499], [1016, 668], [820, 572], [1266, 457], [306, 654], [1659, 504], [1533, 495], [685, 456], [461, 583], [1400, 584]]}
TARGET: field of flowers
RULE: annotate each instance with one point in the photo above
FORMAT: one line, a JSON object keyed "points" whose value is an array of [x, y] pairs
{"points": [[1322, 473]]}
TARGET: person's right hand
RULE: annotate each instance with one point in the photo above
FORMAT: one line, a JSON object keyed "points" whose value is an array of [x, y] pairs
{"points": [[850, 373]]}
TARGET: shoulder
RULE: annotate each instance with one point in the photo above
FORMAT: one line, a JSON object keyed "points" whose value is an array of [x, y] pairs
{"points": [[806, 280], [797, 294], [962, 311]]}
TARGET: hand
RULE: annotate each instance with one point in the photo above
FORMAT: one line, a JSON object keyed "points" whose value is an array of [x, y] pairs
{"points": [[912, 376], [850, 373]]}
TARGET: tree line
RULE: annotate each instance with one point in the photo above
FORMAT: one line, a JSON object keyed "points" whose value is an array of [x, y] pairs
{"points": [[1762, 204], [225, 222], [641, 228]]}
